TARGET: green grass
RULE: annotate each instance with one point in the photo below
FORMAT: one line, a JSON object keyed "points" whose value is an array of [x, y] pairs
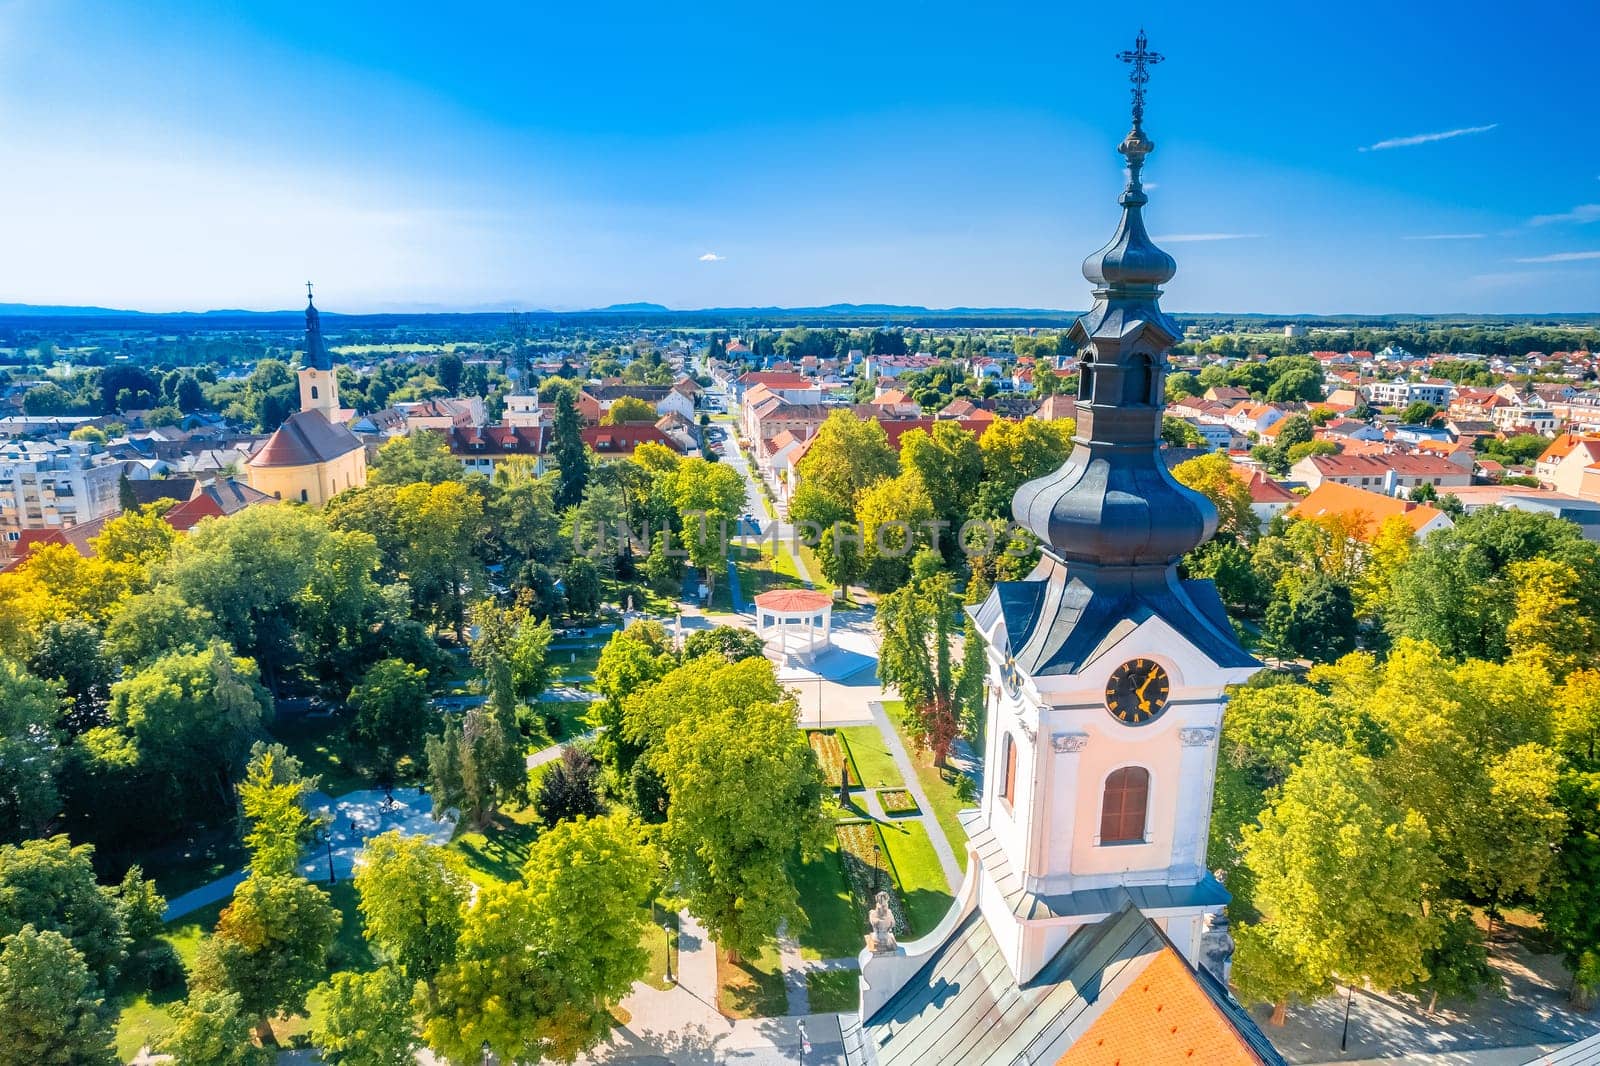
{"points": [[574, 662], [182, 865], [570, 715], [758, 572], [498, 851], [324, 750], [871, 756], [918, 872], [837, 924], [661, 941], [831, 991], [751, 988], [939, 786]]}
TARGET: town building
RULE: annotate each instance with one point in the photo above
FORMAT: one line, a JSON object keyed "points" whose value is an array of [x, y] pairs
{"points": [[1088, 928], [1563, 465], [313, 456], [1388, 473], [58, 484]]}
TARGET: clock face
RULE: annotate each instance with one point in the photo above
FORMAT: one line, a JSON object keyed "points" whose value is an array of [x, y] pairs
{"points": [[1137, 692]]}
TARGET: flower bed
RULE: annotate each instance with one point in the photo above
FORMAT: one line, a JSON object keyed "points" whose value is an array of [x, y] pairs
{"points": [[897, 801], [867, 871], [832, 757]]}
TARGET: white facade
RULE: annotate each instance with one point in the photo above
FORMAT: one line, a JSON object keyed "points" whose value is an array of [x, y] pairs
{"points": [[1066, 745], [52, 486], [1400, 392]]}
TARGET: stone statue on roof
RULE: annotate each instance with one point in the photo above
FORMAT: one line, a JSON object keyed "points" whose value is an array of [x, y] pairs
{"points": [[881, 940]]}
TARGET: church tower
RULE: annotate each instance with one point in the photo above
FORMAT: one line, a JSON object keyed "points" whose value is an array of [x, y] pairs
{"points": [[1107, 670], [319, 388]]}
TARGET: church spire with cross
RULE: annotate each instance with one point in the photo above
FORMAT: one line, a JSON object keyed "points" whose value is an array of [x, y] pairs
{"points": [[316, 357]]}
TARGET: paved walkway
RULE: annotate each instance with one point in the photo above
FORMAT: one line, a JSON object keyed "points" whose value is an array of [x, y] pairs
{"points": [[553, 752], [355, 817], [908, 772]]}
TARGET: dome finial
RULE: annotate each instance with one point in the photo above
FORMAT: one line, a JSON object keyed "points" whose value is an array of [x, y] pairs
{"points": [[1135, 146], [308, 293]]}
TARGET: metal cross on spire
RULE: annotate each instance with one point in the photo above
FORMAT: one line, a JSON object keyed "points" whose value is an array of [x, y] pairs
{"points": [[1141, 60], [308, 292]]}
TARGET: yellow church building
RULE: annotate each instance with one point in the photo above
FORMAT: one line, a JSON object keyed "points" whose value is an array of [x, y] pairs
{"points": [[313, 456]]}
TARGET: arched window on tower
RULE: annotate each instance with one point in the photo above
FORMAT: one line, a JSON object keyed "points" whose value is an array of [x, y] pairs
{"points": [[1086, 378], [1139, 386], [313, 392], [1150, 377], [1124, 806], [1008, 761]]}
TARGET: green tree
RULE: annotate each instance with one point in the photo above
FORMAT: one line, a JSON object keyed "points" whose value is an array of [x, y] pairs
{"points": [[442, 526], [365, 1020], [415, 458], [392, 712], [30, 752], [839, 554], [412, 894], [270, 947], [629, 409], [191, 719], [476, 765], [50, 885], [1315, 619], [732, 643], [541, 963], [210, 1029], [847, 457], [745, 794], [50, 1010], [947, 462], [1340, 876], [1569, 905], [915, 656], [1457, 591], [273, 797], [709, 498], [893, 516], [631, 659], [569, 452]]}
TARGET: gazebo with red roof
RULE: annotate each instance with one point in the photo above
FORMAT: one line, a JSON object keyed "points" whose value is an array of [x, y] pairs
{"points": [[799, 619]]}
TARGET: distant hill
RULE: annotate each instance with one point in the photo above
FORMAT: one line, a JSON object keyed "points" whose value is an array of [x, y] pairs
{"points": [[56, 311]]}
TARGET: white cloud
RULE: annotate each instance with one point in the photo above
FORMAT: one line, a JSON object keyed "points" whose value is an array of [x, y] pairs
{"points": [[1561, 257], [1444, 237], [1581, 213], [1186, 238], [1425, 138], [712, 257]]}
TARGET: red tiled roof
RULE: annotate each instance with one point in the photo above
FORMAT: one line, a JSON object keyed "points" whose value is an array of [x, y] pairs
{"points": [[305, 438], [624, 439], [797, 600]]}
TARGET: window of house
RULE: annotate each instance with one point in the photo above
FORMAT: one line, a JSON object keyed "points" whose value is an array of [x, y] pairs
{"points": [[1008, 759], [303, 497], [1124, 805]]}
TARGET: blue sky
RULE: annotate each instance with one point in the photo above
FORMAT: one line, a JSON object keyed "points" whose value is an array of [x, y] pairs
{"points": [[410, 156]]}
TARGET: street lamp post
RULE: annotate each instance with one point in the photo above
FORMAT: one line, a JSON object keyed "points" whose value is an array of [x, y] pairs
{"points": [[805, 1043], [327, 839]]}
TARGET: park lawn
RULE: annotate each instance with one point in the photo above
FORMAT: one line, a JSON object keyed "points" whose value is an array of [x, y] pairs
{"points": [[759, 571], [574, 662], [832, 991], [836, 925], [569, 713], [496, 853], [751, 988], [324, 750], [180, 866], [918, 872], [660, 939], [943, 796], [871, 756]]}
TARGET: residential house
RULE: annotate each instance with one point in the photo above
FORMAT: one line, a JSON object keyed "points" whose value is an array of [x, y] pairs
{"points": [[1563, 465], [1390, 474], [1268, 499], [58, 484], [1247, 417]]}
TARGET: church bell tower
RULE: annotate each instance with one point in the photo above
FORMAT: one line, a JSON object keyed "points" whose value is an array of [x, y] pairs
{"points": [[1107, 670], [319, 387]]}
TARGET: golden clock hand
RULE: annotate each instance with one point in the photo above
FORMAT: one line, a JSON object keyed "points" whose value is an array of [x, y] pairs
{"points": [[1144, 702]]}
